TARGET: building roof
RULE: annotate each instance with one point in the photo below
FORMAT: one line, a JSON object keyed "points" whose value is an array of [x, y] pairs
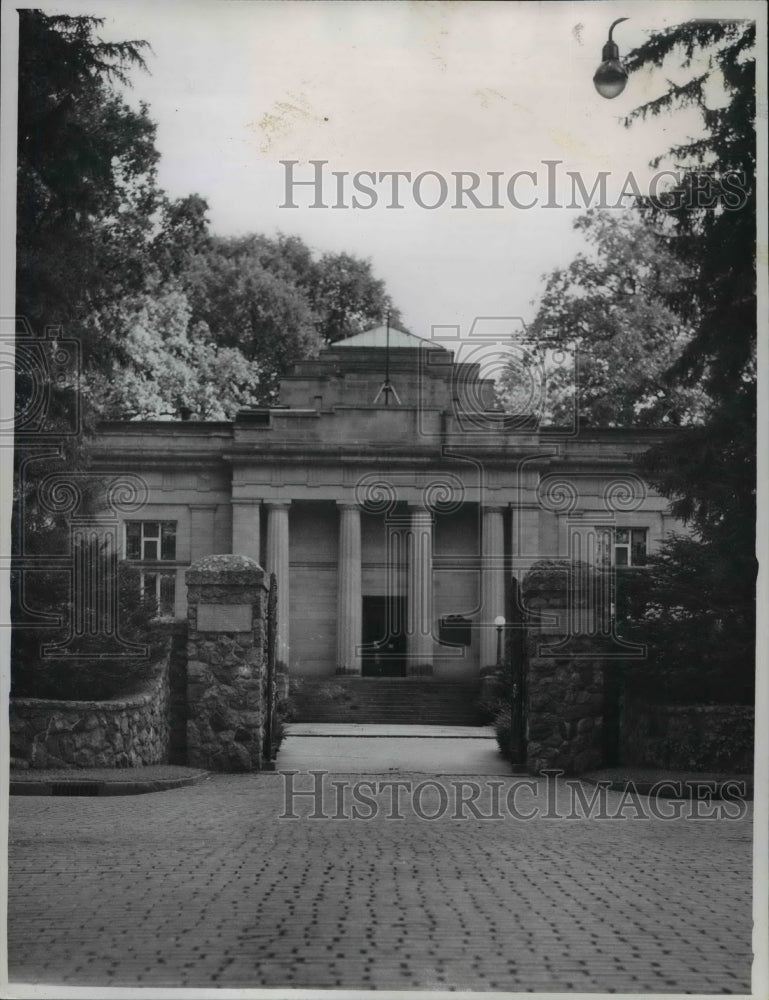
{"points": [[377, 337]]}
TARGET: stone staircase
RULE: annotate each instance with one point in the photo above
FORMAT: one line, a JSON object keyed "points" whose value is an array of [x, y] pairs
{"points": [[385, 700]]}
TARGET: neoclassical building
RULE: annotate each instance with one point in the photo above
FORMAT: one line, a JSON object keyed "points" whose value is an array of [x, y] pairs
{"points": [[391, 498]]}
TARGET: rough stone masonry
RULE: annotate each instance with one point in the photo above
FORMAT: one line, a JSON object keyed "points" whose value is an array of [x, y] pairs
{"points": [[226, 656]]}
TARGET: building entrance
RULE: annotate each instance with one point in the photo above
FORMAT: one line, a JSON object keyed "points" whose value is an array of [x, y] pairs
{"points": [[384, 636]]}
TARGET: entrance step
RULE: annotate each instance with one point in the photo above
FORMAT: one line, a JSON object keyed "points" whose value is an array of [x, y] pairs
{"points": [[384, 731], [385, 700]]}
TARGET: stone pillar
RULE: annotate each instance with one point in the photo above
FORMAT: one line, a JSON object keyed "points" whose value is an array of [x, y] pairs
{"points": [[564, 674], [202, 531], [227, 609], [419, 620], [492, 581], [245, 529], [277, 563], [350, 601]]}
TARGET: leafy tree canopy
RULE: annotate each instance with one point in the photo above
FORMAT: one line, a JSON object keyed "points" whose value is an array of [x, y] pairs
{"points": [[171, 367], [701, 611], [710, 475], [86, 191], [612, 309], [347, 298], [718, 238]]}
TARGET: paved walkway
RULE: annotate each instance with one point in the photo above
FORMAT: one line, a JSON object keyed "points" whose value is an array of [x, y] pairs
{"points": [[208, 886], [368, 748]]}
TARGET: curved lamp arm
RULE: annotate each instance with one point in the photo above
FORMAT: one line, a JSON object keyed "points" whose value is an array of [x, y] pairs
{"points": [[614, 24]]}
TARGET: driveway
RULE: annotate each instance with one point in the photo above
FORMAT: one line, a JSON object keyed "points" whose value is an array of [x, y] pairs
{"points": [[216, 885]]}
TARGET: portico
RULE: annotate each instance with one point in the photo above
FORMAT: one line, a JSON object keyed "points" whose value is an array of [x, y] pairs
{"points": [[393, 576]]}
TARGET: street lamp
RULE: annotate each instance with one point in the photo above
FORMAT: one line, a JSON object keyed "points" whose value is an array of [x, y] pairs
{"points": [[499, 621], [611, 76]]}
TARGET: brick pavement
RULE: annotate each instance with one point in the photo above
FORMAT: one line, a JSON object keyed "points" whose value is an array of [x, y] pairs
{"points": [[205, 886]]}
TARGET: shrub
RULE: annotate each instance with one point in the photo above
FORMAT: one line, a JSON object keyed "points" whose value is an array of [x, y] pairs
{"points": [[503, 729], [278, 728], [698, 635], [103, 671]]}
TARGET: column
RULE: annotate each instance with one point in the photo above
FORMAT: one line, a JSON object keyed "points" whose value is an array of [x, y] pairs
{"points": [[350, 601], [245, 528], [492, 581], [277, 563], [202, 531], [525, 538], [419, 623]]}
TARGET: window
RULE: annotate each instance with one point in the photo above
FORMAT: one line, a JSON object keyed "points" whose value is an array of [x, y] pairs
{"points": [[154, 541], [161, 587], [150, 540], [630, 546]]}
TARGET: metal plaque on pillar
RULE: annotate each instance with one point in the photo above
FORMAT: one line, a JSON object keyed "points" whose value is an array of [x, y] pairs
{"points": [[225, 618]]}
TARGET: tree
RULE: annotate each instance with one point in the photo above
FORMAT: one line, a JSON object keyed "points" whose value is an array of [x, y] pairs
{"points": [[86, 203], [86, 198], [697, 629], [612, 308], [86, 171], [710, 475], [86, 208], [183, 233], [709, 472], [274, 302], [169, 368], [245, 305], [347, 298]]}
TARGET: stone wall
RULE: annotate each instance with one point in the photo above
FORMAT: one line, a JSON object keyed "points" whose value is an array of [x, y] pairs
{"points": [[225, 663], [688, 737], [128, 732]]}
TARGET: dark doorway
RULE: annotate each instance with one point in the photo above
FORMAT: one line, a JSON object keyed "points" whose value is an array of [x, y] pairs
{"points": [[384, 637]]}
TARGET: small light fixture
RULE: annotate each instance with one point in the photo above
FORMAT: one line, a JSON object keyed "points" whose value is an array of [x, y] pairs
{"points": [[611, 76], [499, 623]]}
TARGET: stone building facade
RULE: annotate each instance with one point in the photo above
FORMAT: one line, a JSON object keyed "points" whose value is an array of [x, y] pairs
{"points": [[392, 500]]}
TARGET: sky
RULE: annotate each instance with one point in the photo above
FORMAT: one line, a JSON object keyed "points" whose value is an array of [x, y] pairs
{"points": [[236, 88]]}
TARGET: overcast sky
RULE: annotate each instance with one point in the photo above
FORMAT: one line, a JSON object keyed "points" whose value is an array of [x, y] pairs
{"points": [[397, 86]]}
